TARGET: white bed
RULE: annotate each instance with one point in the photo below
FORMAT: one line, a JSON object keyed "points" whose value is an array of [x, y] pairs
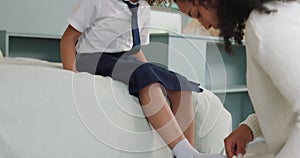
{"points": [[49, 112]]}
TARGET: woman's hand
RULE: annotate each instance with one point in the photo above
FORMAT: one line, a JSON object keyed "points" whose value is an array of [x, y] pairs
{"points": [[237, 141]]}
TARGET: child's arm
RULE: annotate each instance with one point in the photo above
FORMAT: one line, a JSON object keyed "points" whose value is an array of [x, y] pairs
{"points": [[141, 57], [67, 48]]}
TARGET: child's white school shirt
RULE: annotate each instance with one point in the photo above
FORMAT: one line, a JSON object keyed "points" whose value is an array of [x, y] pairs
{"points": [[106, 25]]}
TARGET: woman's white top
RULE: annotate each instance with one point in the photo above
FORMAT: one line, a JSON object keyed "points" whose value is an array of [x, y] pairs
{"points": [[106, 25], [273, 77]]}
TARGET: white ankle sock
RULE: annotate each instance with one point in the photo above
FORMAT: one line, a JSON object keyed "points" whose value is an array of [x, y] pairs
{"points": [[185, 150]]}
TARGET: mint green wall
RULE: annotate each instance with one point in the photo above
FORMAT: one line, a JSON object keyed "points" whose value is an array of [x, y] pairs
{"points": [[41, 17]]}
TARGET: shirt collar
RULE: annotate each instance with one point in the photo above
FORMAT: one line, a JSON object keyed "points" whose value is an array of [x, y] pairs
{"points": [[132, 2]]}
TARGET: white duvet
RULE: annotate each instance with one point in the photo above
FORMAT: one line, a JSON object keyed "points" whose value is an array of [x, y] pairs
{"points": [[46, 111]]}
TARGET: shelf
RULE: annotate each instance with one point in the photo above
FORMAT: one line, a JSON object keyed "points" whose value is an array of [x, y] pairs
{"points": [[13, 34], [45, 47], [228, 89]]}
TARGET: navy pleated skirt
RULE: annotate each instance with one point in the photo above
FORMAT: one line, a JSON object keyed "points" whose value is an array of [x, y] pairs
{"points": [[136, 74]]}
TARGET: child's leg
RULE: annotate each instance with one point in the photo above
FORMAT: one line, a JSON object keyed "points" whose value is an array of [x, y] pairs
{"points": [[182, 107], [160, 115], [163, 120]]}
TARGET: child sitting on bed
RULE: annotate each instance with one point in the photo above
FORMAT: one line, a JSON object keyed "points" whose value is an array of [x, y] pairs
{"points": [[109, 35]]}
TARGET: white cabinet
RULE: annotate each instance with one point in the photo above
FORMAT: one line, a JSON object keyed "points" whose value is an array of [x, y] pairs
{"points": [[204, 60]]}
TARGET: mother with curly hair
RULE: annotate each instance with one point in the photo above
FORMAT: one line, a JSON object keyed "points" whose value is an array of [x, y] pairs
{"points": [[271, 29]]}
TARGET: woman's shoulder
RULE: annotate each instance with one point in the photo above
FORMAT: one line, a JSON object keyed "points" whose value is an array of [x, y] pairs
{"points": [[282, 11], [268, 25]]}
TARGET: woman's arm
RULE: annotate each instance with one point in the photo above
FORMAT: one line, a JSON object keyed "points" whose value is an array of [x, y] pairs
{"points": [[67, 48], [275, 56], [282, 65]]}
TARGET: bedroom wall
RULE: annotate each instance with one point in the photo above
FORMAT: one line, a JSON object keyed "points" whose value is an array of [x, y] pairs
{"points": [[48, 17], [37, 17]]}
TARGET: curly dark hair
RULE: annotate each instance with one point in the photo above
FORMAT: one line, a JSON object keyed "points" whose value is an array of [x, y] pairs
{"points": [[163, 3], [233, 15]]}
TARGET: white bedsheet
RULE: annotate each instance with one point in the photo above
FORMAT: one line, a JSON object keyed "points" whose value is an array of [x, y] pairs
{"points": [[46, 111]]}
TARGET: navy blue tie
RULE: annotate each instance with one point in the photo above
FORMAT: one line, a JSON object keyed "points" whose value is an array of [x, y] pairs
{"points": [[134, 26]]}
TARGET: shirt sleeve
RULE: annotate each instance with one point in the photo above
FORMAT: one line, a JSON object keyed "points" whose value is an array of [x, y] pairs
{"points": [[145, 35], [283, 67], [144, 28], [277, 53], [84, 15], [253, 124]]}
